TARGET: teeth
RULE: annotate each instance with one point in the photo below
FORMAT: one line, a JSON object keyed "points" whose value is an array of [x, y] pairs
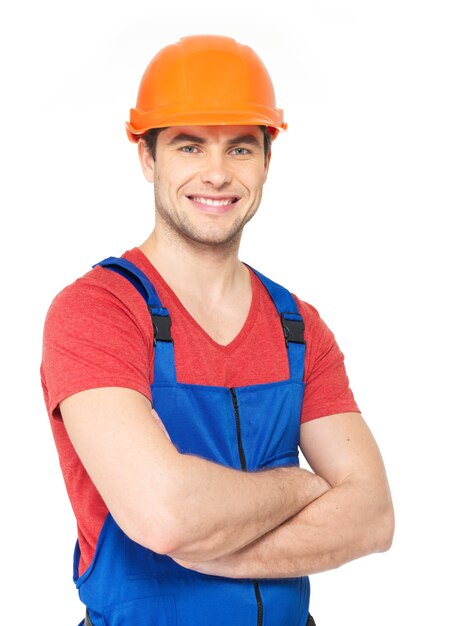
{"points": [[211, 202]]}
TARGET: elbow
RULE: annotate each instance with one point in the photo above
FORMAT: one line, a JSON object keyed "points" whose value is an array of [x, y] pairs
{"points": [[177, 538], [154, 528], [159, 524], [163, 524], [385, 530], [160, 536]]}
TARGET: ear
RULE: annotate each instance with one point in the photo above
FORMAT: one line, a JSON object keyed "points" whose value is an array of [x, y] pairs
{"points": [[266, 164], [146, 160]]}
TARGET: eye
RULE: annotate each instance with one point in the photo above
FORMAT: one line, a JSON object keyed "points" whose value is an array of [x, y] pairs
{"points": [[241, 151], [188, 149]]}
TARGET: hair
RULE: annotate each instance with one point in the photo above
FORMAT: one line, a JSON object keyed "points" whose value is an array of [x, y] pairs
{"points": [[150, 139]]}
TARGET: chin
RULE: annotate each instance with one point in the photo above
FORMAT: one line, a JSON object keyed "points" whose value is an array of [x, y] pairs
{"points": [[215, 240], [213, 237]]}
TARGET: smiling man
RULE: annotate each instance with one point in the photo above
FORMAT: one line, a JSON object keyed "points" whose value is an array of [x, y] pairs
{"points": [[181, 384], [207, 180]]}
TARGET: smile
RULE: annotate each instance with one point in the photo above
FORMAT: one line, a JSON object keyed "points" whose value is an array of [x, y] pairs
{"points": [[215, 202]]}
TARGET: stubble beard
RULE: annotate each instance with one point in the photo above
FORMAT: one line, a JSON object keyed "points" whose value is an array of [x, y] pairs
{"points": [[181, 227]]}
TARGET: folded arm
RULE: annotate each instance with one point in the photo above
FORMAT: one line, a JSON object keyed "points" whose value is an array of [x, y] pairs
{"points": [[169, 502], [351, 520]]}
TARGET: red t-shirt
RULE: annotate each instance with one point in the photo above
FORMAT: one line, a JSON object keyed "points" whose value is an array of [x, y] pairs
{"points": [[98, 333]]}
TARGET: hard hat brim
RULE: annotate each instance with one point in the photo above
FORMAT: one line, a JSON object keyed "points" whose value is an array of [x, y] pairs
{"points": [[145, 121]]}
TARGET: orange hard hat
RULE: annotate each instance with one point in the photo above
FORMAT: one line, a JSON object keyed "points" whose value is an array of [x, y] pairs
{"points": [[205, 80]]}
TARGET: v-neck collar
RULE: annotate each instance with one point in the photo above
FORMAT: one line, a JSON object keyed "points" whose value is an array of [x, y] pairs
{"points": [[136, 255]]}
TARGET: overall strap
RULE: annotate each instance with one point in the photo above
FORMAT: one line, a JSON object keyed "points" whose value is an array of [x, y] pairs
{"points": [[164, 362], [292, 324]]}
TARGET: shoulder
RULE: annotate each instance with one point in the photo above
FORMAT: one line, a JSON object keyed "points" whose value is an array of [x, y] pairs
{"points": [[316, 330], [321, 346], [327, 389], [96, 284], [309, 313], [97, 333], [97, 298]]}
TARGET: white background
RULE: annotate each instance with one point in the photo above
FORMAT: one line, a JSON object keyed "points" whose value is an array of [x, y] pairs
{"points": [[364, 216]]}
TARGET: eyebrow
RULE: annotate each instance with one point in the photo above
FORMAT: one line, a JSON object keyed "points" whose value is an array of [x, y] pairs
{"points": [[241, 139], [249, 139], [184, 137]]}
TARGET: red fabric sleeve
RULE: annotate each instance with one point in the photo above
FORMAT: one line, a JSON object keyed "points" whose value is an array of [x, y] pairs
{"points": [[327, 388], [97, 334]]}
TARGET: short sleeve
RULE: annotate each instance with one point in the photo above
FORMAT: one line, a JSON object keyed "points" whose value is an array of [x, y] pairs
{"points": [[97, 333], [327, 389]]}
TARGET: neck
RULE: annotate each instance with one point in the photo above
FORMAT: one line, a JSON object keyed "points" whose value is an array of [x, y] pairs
{"points": [[196, 269]]}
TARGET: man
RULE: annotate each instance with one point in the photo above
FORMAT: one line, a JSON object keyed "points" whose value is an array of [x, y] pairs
{"points": [[181, 383]]}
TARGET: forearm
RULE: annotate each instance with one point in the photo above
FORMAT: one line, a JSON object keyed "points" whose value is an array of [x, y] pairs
{"points": [[345, 523], [222, 510]]}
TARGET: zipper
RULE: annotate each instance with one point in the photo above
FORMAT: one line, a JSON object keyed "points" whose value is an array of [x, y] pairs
{"points": [[242, 460], [260, 608], [242, 456]]}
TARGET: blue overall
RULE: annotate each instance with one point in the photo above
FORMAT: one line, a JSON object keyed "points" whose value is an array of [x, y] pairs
{"points": [[246, 428]]}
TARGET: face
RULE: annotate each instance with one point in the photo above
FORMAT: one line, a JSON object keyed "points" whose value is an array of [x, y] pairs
{"points": [[207, 180]]}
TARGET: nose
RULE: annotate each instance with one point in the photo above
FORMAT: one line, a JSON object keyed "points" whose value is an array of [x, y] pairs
{"points": [[215, 170]]}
